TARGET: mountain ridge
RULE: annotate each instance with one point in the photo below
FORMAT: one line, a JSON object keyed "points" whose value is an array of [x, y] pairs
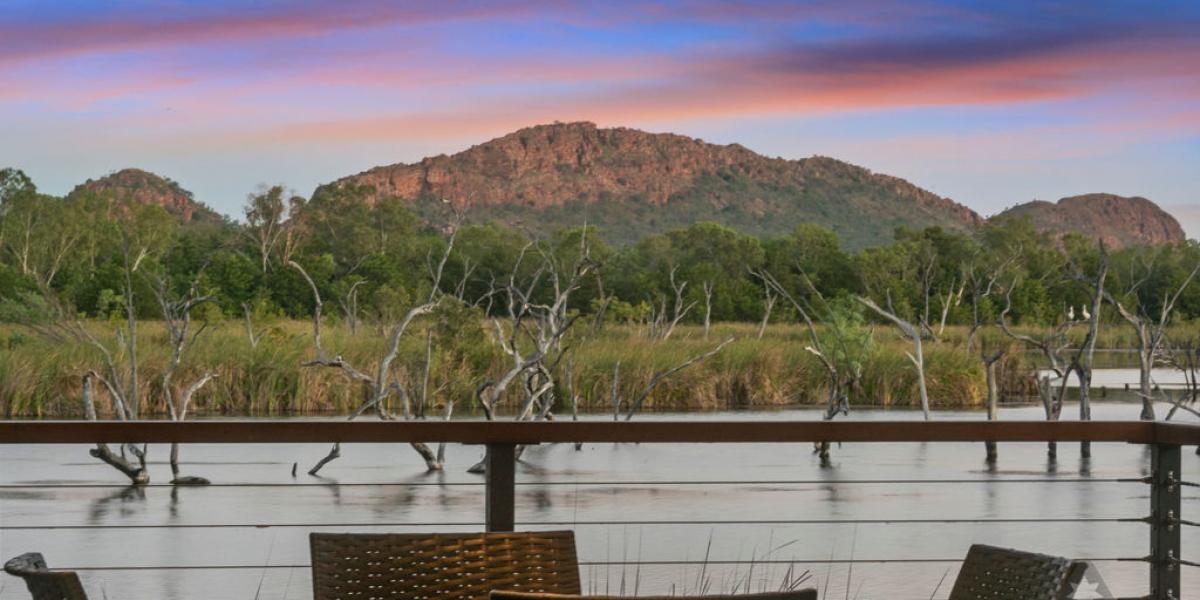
{"points": [[150, 188], [1118, 220], [632, 183]]}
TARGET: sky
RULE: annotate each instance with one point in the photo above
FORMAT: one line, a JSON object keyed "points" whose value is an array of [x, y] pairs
{"points": [[989, 103]]}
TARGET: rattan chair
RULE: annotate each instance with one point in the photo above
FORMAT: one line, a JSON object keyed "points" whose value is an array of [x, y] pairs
{"points": [[1003, 574], [43, 583], [804, 594], [458, 566]]}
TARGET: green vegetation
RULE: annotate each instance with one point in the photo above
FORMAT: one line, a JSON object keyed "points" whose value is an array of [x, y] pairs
{"points": [[97, 259]]}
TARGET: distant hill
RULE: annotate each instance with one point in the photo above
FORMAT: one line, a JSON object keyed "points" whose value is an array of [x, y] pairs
{"points": [[148, 188], [1120, 221], [632, 183]]}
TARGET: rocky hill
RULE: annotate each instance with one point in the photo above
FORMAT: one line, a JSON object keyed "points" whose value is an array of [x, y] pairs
{"points": [[1118, 220], [632, 183], [147, 188]]}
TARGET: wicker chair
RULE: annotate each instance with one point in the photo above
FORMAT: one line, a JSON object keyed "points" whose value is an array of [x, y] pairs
{"points": [[805, 594], [459, 566], [1003, 574], [43, 583]]}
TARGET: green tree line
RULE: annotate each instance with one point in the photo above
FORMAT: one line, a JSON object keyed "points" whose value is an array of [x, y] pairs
{"points": [[374, 260]]}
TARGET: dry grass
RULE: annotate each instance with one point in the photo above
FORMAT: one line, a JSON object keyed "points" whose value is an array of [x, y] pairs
{"points": [[39, 377]]}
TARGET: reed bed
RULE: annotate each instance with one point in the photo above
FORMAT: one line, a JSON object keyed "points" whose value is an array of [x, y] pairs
{"points": [[40, 377]]}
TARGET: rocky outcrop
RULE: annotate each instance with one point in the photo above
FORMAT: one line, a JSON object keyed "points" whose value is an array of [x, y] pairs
{"points": [[1118, 220], [147, 188], [632, 183]]}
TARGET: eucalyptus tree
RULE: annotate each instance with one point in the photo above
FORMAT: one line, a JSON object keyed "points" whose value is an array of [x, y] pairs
{"points": [[274, 226]]}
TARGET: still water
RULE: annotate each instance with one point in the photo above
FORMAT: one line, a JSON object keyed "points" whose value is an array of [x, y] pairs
{"points": [[587, 490]]}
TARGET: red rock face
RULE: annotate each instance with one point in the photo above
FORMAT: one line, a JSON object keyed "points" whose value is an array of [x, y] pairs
{"points": [[1119, 221], [631, 183], [147, 188], [549, 165]]}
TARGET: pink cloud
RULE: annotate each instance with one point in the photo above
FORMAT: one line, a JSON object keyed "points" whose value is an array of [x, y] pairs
{"points": [[120, 31]]}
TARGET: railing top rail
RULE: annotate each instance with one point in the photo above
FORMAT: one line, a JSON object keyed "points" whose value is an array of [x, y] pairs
{"points": [[483, 432]]}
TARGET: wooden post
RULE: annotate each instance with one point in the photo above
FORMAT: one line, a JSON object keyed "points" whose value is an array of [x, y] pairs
{"points": [[500, 489], [1165, 504]]}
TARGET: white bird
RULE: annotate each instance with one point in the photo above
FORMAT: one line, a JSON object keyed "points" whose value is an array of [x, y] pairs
{"points": [[1086, 314], [1070, 313]]}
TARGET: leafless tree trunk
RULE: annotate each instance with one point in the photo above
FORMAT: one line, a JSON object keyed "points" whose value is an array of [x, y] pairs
{"points": [[350, 306], [543, 325], [1150, 332], [1051, 347], [379, 387], [1082, 360], [177, 316], [659, 377], [768, 304], [136, 473], [989, 364], [708, 293], [840, 380], [122, 387], [981, 287], [250, 334], [615, 391], [917, 356], [952, 299], [1186, 358], [666, 326]]}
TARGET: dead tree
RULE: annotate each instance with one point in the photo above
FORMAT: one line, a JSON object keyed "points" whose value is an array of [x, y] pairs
{"points": [[349, 304], [1082, 360], [129, 459], [529, 322], [664, 325], [993, 412], [1150, 332], [980, 285], [532, 337], [917, 356], [635, 405], [768, 304], [379, 387], [136, 472], [839, 362], [953, 298], [1051, 346], [1185, 358], [248, 318], [708, 294], [177, 317]]}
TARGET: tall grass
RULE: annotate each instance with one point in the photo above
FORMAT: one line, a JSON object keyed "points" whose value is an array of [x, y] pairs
{"points": [[42, 378]]}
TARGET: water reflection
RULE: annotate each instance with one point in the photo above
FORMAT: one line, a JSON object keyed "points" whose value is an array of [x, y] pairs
{"points": [[121, 503]]}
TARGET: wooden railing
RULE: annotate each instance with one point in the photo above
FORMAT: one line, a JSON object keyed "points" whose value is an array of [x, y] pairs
{"points": [[502, 438]]}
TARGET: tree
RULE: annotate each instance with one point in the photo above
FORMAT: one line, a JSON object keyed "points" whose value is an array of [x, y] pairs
{"points": [[917, 356], [1150, 313], [273, 226]]}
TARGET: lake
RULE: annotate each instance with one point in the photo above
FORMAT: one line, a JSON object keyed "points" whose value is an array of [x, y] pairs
{"points": [[586, 490]]}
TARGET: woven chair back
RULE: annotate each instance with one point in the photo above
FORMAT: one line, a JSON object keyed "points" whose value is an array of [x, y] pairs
{"points": [[451, 566], [804, 594], [1004, 574]]}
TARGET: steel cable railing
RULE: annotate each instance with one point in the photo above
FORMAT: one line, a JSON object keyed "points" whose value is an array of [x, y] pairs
{"points": [[1164, 560]]}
